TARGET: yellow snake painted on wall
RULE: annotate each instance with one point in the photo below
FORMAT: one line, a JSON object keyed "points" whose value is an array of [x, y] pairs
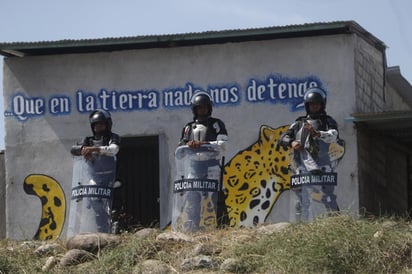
{"points": [[53, 203]]}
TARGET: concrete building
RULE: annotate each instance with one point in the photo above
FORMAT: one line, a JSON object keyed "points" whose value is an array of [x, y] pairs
{"points": [[257, 78]]}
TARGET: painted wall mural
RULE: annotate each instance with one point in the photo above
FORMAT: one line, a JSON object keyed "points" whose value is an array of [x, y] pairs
{"points": [[273, 89], [253, 179], [53, 205]]}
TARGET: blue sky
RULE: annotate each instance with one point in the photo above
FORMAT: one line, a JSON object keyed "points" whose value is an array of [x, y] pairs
{"points": [[49, 20]]}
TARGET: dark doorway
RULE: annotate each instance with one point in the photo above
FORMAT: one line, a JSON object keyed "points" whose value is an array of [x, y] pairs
{"points": [[138, 169]]}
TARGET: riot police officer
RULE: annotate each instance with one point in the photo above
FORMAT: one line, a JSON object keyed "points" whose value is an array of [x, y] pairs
{"points": [[204, 129], [310, 137], [106, 143], [103, 141], [203, 132]]}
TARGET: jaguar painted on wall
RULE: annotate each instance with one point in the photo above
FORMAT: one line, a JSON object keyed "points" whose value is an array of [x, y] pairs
{"points": [[255, 177]]}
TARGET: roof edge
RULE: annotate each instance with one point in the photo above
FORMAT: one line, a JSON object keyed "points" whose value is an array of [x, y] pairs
{"points": [[401, 85], [20, 49], [379, 116]]}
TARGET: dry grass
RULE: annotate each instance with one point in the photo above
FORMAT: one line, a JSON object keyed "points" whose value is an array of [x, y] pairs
{"points": [[337, 244]]}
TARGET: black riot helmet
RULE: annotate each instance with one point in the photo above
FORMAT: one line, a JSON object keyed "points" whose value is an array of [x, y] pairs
{"points": [[315, 95], [100, 115], [201, 99]]}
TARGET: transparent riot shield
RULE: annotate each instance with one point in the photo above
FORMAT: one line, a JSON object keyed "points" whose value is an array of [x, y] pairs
{"points": [[313, 178], [91, 196], [313, 195], [195, 190]]}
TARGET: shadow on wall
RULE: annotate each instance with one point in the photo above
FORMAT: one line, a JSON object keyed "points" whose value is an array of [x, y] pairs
{"points": [[2, 196]]}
